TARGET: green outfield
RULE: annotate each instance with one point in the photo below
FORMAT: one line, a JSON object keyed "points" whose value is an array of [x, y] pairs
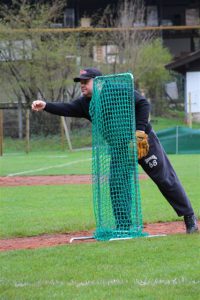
{"points": [[46, 163], [144, 268]]}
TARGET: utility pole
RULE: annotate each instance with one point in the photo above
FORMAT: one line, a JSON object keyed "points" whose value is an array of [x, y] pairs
{"points": [[1, 132], [190, 110]]}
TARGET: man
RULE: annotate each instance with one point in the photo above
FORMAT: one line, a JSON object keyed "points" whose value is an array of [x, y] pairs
{"points": [[151, 155]]}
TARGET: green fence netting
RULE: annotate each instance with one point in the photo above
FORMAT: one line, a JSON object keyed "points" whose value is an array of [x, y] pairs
{"points": [[116, 193], [180, 140]]}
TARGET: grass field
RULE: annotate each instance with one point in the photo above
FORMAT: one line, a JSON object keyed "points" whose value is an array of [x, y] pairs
{"points": [[155, 269], [145, 268], [30, 210], [46, 163]]}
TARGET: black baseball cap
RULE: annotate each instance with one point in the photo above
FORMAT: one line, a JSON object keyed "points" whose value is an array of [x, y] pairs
{"points": [[88, 73]]}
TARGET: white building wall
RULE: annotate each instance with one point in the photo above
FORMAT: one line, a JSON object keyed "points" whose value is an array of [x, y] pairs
{"points": [[192, 96]]}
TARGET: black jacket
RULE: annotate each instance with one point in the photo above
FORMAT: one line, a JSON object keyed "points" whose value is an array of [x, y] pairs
{"points": [[79, 108]]}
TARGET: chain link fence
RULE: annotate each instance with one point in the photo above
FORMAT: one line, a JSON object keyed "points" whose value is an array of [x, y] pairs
{"points": [[27, 127]]}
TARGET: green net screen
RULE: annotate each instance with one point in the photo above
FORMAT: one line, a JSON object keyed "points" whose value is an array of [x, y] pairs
{"points": [[116, 193]]}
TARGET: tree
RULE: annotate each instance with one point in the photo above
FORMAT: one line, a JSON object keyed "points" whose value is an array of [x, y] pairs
{"points": [[34, 63], [152, 75], [139, 51]]}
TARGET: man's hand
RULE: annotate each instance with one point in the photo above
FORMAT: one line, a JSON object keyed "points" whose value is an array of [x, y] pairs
{"points": [[142, 144], [38, 105]]}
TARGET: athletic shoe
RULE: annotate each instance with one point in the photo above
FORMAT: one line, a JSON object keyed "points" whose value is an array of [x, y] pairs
{"points": [[191, 224]]}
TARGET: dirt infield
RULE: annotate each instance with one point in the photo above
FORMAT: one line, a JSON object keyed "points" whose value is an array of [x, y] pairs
{"points": [[50, 180], [48, 240]]}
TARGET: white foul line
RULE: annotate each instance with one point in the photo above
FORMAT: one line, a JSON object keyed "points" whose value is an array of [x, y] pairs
{"points": [[50, 167], [101, 282]]}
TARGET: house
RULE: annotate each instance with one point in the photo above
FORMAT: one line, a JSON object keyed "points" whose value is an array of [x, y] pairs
{"points": [[178, 21], [189, 67]]}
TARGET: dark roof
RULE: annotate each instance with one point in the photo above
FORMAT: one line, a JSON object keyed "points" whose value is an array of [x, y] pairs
{"points": [[190, 62]]}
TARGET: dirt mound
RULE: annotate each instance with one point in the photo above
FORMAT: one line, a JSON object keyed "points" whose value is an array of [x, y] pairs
{"points": [[48, 240]]}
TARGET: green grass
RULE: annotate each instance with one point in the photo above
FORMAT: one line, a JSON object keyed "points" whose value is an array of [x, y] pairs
{"points": [[27, 211], [161, 268], [160, 123], [79, 139], [164, 268], [46, 163], [39, 209]]}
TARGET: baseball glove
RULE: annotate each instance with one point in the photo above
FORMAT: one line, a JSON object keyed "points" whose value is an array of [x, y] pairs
{"points": [[142, 144]]}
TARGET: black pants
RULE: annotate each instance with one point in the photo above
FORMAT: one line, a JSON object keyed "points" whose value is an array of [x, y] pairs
{"points": [[158, 167]]}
